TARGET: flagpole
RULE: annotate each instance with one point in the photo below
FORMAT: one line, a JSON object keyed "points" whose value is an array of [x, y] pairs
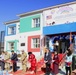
{"points": [[70, 38], [71, 45]]}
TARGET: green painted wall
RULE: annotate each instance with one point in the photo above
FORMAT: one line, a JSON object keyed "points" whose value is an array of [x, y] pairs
{"points": [[15, 45], [26, 23]]}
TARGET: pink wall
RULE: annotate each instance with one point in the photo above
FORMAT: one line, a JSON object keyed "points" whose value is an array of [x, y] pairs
{"points": [[29, 44]]}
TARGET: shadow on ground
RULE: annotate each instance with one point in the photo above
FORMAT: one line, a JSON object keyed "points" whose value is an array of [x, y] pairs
{"points": [[51, 72]]}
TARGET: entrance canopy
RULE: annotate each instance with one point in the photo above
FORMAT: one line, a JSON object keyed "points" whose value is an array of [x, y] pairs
{"points": [[58, 29]]}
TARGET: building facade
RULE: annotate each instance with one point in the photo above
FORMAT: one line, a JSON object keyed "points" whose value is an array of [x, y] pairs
{"points": [[2, 36], [37, 29]]}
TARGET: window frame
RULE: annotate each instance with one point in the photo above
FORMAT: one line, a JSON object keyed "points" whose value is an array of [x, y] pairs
{"points": [[11, 31], [36, 43], [34, 24], [11, 47]]}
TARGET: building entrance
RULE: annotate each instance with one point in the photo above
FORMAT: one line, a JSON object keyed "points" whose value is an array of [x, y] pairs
{"points": [[60, 43]]}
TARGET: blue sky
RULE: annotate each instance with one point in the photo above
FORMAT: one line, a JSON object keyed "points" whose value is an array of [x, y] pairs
{"points": [[10, 8]]}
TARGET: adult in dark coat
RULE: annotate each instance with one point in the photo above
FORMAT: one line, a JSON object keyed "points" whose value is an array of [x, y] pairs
{"points": [[14, 61], [47, 59], [56, 63]]}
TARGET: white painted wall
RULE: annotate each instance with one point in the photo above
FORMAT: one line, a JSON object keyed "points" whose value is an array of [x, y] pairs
{"points": [[23, 38], [17, 28]]}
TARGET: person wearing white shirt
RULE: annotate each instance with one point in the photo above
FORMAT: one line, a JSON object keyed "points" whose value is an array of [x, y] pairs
{"points": [[68, 61]]}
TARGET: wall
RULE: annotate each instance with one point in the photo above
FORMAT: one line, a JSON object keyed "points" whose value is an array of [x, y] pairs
{"points": [[7, 26], [22, 38], [26, 23], [60, 15]]}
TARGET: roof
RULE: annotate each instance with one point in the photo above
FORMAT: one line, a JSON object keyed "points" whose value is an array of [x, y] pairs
{"points": [[11, 21], [41, 10]]}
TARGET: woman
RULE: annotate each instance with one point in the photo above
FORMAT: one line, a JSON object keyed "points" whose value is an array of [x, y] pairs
{"points": [[56, 63], [68, 61], [32, 61], [47, 60]]}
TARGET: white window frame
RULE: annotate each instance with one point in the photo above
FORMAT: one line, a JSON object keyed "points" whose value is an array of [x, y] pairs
{"points": [[10, 31], [34, 44], [34, 24], [10, 47]]}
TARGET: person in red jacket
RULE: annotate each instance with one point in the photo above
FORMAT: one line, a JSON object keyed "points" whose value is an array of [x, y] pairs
{"points": [[32, 61], [56, 63]]}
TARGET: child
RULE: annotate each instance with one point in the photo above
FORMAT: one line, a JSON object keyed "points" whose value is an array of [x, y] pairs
{"points": [[68, 62]]}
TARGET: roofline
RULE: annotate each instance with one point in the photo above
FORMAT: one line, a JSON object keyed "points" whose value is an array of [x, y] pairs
{"points": [[41, 10], [12, 21]]}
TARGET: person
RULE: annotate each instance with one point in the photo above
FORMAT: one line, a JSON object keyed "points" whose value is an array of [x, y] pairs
{"points": [[6, 59], [47, 60], [56, 46], [68, 62], [24, 60], [32, 61], [2, 63], [14, 61], [1, 72], [56, 63]]}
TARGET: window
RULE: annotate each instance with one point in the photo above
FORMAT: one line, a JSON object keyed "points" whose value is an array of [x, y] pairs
{"points": [[36, 43], [12, 30], [36, 22], [11, 45]]}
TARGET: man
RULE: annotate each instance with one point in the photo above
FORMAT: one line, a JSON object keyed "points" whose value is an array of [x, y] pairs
{"points": [[24, 60], [14, 61], [6, 59], [47, 60]]}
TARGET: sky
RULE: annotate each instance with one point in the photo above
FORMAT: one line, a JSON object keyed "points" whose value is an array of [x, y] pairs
{"points": [[9, 9]]}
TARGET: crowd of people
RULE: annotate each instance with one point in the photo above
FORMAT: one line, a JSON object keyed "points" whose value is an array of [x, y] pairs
{"points": [[6, 60], [49, 59], [30, 61]]}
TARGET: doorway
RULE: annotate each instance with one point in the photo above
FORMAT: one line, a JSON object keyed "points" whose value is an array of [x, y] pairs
{"points": [[63, 42]]}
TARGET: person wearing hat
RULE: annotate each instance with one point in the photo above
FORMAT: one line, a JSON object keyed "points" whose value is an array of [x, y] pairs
{"points": [[14, 61], [24, 60], [6, 59]]}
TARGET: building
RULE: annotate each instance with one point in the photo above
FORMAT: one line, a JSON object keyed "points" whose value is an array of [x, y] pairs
{"points": [[2, 35], [11, 35], [37, 29]]}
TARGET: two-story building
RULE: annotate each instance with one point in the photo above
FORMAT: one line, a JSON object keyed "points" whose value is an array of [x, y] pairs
{"points": [[37, 29], [24, 34]]}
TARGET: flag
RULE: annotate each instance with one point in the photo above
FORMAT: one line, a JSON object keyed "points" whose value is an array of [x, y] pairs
{"points": [[49, 17]]}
